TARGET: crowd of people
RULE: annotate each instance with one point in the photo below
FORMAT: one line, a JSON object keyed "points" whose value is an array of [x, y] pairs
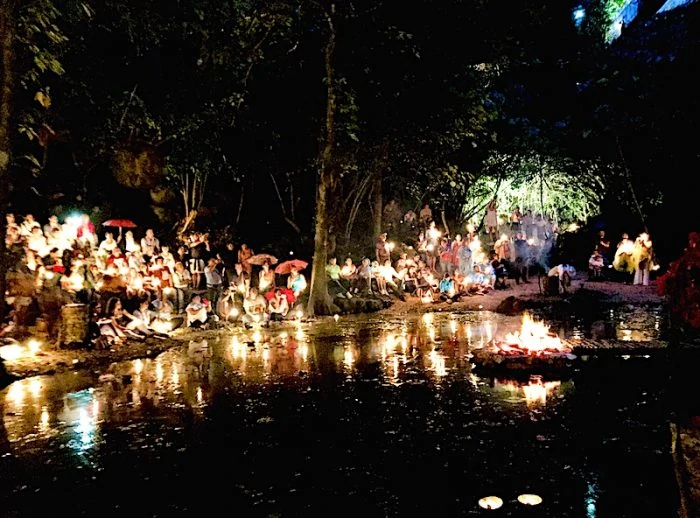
{"points": [[139, 288], [136, 288]]}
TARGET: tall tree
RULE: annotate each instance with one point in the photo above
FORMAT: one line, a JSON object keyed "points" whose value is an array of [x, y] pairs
{"points": [[320, 302], [7, 85]]}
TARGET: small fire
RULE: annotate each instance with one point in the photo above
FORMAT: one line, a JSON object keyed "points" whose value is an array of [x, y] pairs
{"points": [[533, 338]]}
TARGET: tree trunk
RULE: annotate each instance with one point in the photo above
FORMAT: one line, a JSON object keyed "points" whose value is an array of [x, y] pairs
{"points": [[6, 88], [377, 208], [377, 194], [320, 302]]}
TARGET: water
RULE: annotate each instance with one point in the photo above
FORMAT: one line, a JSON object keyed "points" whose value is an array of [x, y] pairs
{"points": [[382, 418]]}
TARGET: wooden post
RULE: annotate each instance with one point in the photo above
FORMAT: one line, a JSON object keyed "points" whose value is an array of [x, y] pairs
{"points": [[75, 325]]}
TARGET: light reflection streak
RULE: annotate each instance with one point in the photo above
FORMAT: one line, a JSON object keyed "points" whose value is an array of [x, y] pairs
{"points": [[348, 358], [15, 394], [437, 361], [304, 352], [35, 387], [44, 419]]}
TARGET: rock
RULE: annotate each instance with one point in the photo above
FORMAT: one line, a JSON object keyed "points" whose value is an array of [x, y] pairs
{"points": [[5, 377], [511, 306]]}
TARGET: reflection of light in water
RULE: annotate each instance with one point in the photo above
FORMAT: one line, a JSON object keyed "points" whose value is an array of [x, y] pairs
{"points": [[657, 322], [176, 376], [44, 420], [257, 336], [395, 367], [404, 343], [266, 355], [536, 391], [159, 372], [437, 361], [304, 351], [469, 332], [95, 409], [238, 350], [16, 393], [627, 335], [348, 358], [591, 499], [299, 335], [431, 333], [136, 397], [35, 387], [138, 366], [86, 428], [453, 326], [488, 331], [428, 318], [200, 396]]}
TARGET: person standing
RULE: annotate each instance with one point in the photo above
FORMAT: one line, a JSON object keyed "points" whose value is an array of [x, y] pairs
{"points": [[491, 221], [515, 218], [643, 260]]}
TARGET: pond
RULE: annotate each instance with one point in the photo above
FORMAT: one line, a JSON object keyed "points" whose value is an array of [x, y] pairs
{"points": [[364, 415]]}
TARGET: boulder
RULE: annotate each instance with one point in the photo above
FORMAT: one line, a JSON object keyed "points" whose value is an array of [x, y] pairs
{"points": [[511, 306]]}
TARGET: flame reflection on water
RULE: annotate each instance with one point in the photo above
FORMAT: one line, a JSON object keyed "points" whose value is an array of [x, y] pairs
{"points": [[430, 349]]}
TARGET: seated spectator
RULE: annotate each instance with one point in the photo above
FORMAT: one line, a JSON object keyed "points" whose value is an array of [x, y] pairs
{"points": [[348, 271], [448, 293], [143, 320], [278, 306], [296, 282], [363, 277], [254, 308], [337, 285], [195, 312]]}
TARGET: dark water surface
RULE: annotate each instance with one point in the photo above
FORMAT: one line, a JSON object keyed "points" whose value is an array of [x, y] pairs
{"points": [[360, 417]]}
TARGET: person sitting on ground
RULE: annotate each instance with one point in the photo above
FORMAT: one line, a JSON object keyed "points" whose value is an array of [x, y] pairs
{"points": [[378, 278], [196, 312], [278, 306], [239, 279], [392, 279], [296, 282], [363, 277], [254, 308], [230, 304], [336, 285], [348, 271], [144, 319], [114, 327], [165, 313], [448, 293]]}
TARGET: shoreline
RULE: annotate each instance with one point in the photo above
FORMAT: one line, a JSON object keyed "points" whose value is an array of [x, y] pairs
{"points": [[56, 361]]}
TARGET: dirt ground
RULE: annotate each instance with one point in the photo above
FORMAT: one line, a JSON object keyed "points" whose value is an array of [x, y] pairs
{"points": [[615, 293], [50, 361]]}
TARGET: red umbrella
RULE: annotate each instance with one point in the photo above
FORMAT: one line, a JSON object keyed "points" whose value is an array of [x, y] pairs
{"points": [[286, 267], [121, 223], [287, 293]]}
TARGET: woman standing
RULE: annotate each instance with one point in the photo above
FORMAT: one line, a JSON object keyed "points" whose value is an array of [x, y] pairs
{"points": [[642, 257], [492, 219]]}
